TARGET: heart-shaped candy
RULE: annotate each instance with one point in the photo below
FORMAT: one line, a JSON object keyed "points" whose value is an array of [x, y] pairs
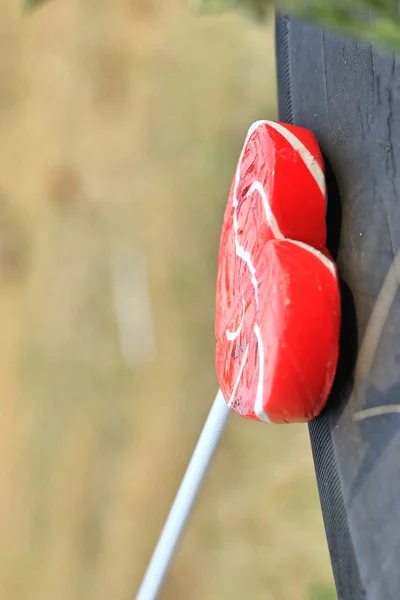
{"points": [[278, 300]]}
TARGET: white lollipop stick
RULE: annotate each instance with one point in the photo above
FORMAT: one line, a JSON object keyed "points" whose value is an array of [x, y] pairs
{"points": [[184, 500]]}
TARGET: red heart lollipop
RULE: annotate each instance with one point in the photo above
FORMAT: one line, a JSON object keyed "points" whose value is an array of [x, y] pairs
{"points": [[278, 306], [278, 302]]}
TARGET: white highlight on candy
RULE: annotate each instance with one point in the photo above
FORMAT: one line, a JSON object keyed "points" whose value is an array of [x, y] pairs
{"points": [[257, 186], [232, 335], [241, 253], [324, 259], [232, 398], [258, 406], [308, 159]]}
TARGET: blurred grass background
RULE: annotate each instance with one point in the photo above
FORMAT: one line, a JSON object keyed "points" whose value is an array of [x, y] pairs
{"points": [[121, 123]]}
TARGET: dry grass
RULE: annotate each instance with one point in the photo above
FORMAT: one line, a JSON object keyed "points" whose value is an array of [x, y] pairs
{"points": [[120, 126]]}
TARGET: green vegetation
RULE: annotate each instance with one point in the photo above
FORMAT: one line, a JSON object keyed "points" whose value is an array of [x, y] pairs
{"points": [[373, 20], [322, 591]]}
